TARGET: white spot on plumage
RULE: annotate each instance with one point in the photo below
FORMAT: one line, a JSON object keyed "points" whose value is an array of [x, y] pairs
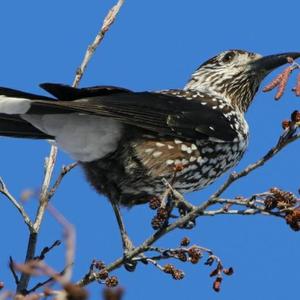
{"points": [[184, 147], [184, 161], [176, 141], [170, 162], [205, 169], [207, 150], [192, 158], [200, 160], [157, 154], [194, 147], [177, 161], [14, 106], [170, 147], [213, 161], [149, 150], [158, 144], [212, 173]]}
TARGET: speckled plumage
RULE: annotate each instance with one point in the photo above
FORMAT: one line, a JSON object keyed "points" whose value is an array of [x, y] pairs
{"points": [[133, 174], [128, 142]]}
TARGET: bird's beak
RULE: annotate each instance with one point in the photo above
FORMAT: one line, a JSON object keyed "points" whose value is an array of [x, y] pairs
{"points": [[268, 63]]}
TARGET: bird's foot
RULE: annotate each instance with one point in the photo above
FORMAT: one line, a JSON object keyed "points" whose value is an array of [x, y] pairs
{"points": [[128, 246]]}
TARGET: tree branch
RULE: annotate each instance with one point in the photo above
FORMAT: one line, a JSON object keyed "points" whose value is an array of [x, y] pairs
{"points": [[46, 194], [108, 21], [288, 137], [64, 170], [20, 208], [44, 197]]}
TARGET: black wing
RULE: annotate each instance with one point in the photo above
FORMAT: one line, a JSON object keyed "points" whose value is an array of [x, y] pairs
{"points": [[158, 112], [68, 93]]}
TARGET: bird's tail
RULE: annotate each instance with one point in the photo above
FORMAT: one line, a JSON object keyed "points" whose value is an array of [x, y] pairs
{"points": [[12, 103], [14, 126]]}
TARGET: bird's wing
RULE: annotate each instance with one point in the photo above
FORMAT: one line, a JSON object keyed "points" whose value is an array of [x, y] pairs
{"points": [[68, 93], [167, 113]]}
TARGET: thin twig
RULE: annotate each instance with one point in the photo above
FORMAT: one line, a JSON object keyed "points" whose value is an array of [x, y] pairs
{"points": [[11, 267], [178, 198], [126, 242], [39, 268], [20, 208], [47, 249], [44, 199], [154, 263], [108, 21], [43, 202], [43, 283], [64, 170]]}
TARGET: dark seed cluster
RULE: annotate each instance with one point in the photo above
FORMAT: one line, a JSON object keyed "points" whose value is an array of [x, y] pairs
{"points": [[161, 218], [102, 274], [293, 219], [111, 281], [280, 199], [176, 274]]}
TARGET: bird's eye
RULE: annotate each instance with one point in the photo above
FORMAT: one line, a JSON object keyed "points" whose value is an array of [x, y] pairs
{"points": [[228, 57]]}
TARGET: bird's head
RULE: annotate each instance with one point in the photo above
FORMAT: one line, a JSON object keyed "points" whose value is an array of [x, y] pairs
{"points": [[236, 74]]}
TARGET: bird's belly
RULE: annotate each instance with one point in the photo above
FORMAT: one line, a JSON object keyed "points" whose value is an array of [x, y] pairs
{"points": [[214, 160], [201, 163], [133, 174]]}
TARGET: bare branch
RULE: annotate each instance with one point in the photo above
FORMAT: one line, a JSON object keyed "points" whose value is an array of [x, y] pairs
{"points": [[11, 267], [255, 204], [20, 208], [44, 199], [43, 283], [46, 194], [47, 250], [30, 253], [64, 170], [108, 21]]}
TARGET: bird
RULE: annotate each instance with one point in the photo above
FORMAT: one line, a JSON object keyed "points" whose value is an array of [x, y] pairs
{"points": [[128, 142]]}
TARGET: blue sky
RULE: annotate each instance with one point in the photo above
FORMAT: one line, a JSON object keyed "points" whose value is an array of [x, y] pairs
{"points": [[153, 45]]}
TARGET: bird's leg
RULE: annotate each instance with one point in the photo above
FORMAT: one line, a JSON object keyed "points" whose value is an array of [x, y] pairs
{"points": [[127, 243]]}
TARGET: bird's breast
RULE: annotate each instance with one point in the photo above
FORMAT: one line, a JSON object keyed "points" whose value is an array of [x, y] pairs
{"points": [[201, 161]]}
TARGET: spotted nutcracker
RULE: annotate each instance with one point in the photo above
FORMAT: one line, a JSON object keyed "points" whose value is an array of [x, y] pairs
{"points": [[127, 142]]}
